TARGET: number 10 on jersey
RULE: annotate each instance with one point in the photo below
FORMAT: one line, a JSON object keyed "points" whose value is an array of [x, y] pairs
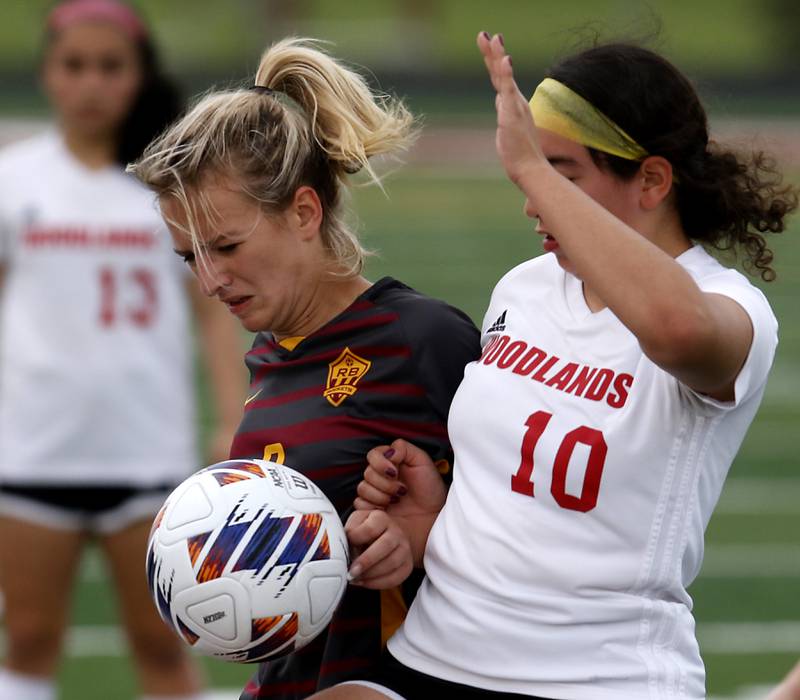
{"points": [[523, 481]]}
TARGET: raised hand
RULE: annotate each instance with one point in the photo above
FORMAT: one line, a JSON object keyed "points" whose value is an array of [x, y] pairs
{"points": [[516, 139]]}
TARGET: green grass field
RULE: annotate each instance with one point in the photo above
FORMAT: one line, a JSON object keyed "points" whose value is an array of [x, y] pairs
{"points": [[452, 234]]}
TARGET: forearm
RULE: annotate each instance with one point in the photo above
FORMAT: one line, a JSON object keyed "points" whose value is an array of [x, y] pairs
{"points": [[701, 339], [223, 361], [641, 283]]}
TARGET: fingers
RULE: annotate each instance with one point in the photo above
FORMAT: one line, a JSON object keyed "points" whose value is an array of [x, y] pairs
{"points": [[380, 486], [499, 65], [382, 461], [386, 559], [407, 455], [498, 62], [382, 494], [489, 60], [362, 504], [394, 567], [395, 470], [492, 47]]}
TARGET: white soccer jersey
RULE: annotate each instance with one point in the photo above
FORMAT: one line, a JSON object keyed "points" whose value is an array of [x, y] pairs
{"points": [[584, 479], [95, 351]]}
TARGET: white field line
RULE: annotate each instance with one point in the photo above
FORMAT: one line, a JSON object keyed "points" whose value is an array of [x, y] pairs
{"points": [[740, 496], [720, 561], [473, 146], [752, 561], [714, 637], [755, 692], [751, 495], [749, 637]]}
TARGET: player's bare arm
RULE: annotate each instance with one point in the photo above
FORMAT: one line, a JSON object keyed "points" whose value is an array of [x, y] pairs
{"points": [[701, 339], [222, 353]]}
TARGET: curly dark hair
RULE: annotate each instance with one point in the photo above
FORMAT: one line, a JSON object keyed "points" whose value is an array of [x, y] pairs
{"points": [[725, 199]]}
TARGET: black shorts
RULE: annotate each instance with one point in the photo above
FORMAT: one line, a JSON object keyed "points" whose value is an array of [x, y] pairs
{"points": [[409, 684], [103, 509]]}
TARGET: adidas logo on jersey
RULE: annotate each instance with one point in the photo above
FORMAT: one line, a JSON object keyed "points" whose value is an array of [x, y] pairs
{"points": [[499, 324]]}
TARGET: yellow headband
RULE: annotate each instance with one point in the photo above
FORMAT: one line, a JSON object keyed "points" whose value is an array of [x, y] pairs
{"points": [[558, 109]]}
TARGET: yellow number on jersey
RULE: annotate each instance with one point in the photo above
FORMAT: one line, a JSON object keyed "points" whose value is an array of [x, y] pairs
{"points": [[274, 452]]}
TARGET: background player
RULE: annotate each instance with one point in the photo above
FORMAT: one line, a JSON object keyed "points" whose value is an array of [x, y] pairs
{"points": [[97, 416], [251, 183], [621, 373]]}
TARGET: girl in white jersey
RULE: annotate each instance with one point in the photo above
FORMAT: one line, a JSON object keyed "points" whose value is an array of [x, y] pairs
{"points": [[96, 381], [619, 375]]}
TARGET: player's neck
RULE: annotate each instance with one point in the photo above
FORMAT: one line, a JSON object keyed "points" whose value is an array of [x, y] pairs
{"points": [[329, 299], [594, 302], [95, 153]]}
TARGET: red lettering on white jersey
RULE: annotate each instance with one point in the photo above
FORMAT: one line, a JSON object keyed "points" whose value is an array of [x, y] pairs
{"points": [[591, 383], [42, 237]]}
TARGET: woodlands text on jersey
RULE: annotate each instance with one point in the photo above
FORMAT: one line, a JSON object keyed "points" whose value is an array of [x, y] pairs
{"points": [[84, 237], [585, 381]]}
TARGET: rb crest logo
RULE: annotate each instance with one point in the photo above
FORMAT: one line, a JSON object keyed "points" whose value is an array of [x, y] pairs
{"points": [[344, 373]]}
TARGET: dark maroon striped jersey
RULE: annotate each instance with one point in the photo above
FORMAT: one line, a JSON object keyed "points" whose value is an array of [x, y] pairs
{"points": [[385, 368]]}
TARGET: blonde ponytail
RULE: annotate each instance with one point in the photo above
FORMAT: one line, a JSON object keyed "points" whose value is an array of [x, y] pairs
{"points": [[349, 122], [317, 122]]}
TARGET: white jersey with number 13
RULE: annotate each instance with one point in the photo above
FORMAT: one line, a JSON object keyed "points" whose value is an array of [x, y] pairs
{"points": [[95, 361]]}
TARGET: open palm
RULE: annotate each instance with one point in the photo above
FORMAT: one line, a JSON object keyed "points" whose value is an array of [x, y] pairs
{"points": [[516, 139]]}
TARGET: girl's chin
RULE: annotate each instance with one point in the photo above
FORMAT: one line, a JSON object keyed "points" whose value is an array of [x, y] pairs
{"points": [[565, 264]]}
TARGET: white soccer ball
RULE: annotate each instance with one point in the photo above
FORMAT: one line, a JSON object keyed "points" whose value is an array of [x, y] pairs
{"points": [[247, 560]]}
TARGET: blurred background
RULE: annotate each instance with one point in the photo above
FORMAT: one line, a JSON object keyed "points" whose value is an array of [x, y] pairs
{"points": [[744, 53], [450, 225]]}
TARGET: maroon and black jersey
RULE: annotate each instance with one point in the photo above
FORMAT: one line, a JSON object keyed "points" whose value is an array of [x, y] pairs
{"points": [[385, 368]]}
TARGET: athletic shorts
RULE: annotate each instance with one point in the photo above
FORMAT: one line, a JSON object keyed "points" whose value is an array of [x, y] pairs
{"points": [[399, 682], [96, 509]]}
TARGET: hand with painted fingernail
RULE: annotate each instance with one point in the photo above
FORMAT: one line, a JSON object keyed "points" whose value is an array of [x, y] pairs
{"points": [[403, 480], [516, 139], [400, 472], [380, 486]]}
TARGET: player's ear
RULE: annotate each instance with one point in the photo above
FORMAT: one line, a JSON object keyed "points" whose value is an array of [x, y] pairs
{"points": [[306, 212], [656, 178]]}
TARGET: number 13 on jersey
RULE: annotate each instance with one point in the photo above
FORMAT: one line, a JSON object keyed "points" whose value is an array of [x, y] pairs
{"points": [[523, 481], [141, 311]]}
